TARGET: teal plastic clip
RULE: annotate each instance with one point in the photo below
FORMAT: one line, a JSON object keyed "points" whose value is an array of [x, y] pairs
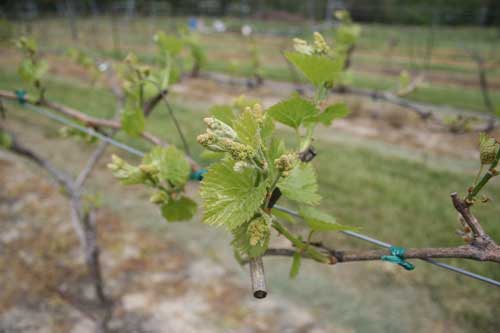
{"points": [[398, 257], [198, 174]]}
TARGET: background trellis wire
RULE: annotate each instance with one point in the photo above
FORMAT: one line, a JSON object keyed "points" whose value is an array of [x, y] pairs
{"points": [[139, 153]]}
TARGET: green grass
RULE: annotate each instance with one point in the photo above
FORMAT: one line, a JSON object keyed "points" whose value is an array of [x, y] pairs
{"points": [[449, 54], [390, 197]]}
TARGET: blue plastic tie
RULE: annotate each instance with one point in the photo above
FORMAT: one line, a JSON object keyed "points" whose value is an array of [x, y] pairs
{"points": [[21, 96], [398, 257], [198, 174]]}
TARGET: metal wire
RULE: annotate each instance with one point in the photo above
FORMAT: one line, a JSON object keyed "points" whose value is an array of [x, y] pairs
{"points": [[365, 238], [86, 130], [387, 245]]}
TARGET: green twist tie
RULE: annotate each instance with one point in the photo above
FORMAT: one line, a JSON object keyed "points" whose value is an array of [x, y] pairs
{"points": [[398, 257], [21, 96], [198, 174]]}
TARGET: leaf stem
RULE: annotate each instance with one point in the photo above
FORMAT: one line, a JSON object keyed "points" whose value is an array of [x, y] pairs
{"points": [[485, 179], [300, 245]]}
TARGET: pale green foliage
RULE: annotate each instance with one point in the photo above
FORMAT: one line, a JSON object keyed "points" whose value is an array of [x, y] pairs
{"points": [[230, 198], [301, 185], [320, 221], [132, 119], [174, 167], [332, 112], [168, 44], [318, 69], [294, 270], [223, 112], [247, 129], [126, 173], [31, 72], [182, 209], [32, 69], [294, 111], [347, 33], [167, 171]]}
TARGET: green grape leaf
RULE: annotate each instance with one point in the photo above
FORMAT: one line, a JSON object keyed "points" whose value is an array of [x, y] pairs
{"points": [[252, 237], [294, 270], [26, 71], [5, 139], [294, 111], [301, 185], [332, 112], [275, 149], [174, 167], [321, 221], [176, 210], [318, 69], [230, 198], [168, 43], [132, 120], [40, 69], [247, 129], [267, 130], [224, 113]]}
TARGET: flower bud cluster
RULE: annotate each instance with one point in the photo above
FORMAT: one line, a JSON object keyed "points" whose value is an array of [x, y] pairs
{"points": [[319, 47], [220, 137], [258, 232], [257, 112], [285, 163], [219, 128], [488, 148], [125, 172]]}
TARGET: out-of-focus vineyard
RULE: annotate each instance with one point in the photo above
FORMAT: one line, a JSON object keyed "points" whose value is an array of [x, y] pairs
{"points": [[385, 168]]}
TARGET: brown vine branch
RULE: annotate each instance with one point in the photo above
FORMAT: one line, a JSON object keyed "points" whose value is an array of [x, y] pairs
{"points": [[89, 121]]}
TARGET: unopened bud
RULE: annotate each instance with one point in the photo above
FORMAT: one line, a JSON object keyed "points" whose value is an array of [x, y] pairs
{"points": [[286, 163], [488, 148], [240, 166], [220, 128], [149, 169], [210, 142], [159, 198]]}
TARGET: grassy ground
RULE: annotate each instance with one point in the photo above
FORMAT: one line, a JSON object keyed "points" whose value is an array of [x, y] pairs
{"points": [[382, 52], [390, 197]]}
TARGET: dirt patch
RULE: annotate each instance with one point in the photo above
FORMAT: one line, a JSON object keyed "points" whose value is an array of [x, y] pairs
{"points": [[156, 284]]}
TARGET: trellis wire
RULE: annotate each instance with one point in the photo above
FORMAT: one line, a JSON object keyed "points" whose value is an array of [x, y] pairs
{"points": [[139, 153]]}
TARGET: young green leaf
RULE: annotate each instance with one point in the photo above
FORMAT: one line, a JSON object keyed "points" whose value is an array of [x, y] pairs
{"points": [[332, 112], [318, 69], [320, 221], [224, 113], [168, 43], [301, 185], [294, 270], [132, 120], [247, 128], [294, 111], [230, 198], [182, 209], [174, 167]]}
